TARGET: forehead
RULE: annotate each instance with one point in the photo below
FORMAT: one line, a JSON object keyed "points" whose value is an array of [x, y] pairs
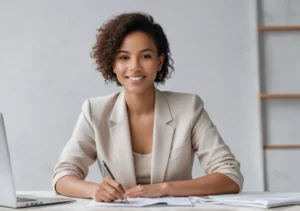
{"points": [[137, 41]]}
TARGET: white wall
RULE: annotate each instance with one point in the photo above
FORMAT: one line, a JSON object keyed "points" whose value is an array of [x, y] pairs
{"points": [[46, 73], [280, 73]]}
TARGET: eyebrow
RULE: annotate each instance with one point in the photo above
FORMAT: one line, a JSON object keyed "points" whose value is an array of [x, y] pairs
{"points": [[142, 51]]}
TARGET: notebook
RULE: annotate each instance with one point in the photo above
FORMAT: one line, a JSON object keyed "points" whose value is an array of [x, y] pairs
{"points": [[261, 200], [144, 202]]}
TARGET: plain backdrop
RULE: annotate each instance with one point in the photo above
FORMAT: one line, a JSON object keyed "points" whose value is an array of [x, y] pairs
{"points": [[46, 73]]}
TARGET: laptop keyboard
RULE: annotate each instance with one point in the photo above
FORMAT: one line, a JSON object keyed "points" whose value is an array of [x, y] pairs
{"points": [[19, 199]]}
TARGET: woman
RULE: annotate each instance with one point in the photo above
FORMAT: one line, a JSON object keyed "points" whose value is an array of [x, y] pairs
{"points": [[147, 138]]}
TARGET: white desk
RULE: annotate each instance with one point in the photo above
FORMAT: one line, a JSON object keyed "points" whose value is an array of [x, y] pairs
{"points": [[80, 205]]}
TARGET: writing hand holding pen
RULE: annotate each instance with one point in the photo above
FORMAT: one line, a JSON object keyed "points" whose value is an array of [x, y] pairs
{"points": [[109, 189]]}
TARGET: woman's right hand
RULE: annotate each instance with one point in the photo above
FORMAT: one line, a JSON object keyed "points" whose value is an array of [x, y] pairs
{"points": [[108, 190]]}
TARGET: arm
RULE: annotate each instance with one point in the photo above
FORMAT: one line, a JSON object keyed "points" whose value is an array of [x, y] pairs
{"points": [[108, 190], [222, 169], [74, 187], [215, 183], [77, 156]]}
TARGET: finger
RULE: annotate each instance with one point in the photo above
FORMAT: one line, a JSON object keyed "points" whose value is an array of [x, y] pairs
{"points": [[132, 190], [107, 195], [135, 195], [98, 197], [114, 192], [138, 188], [115, 185], [105, 198]]}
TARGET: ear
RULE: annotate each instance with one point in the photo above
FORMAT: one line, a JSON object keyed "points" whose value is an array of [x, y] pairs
{"points": [[161, 60]]}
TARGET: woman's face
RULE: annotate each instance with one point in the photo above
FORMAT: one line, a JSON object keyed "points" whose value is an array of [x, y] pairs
{"points": [[137, 63]]}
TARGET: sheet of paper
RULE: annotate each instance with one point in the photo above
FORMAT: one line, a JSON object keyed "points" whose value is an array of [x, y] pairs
{"points": [[143, 202], [263, 200], [176, 201]]}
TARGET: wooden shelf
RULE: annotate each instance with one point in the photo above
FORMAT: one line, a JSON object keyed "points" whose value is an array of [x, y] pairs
{"points": [[281, 146], [278, 28], [280, 96]]}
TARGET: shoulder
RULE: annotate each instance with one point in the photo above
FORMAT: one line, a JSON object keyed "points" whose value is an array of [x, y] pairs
{"points": [[184, 107], [101, 101], [97, 106], [182, 100]]}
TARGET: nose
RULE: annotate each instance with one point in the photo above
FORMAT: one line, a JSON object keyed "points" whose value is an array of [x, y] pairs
{"points": [[135, 64]]}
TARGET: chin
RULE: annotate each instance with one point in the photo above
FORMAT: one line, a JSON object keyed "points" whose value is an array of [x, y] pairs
{"points": [[138, 90]]}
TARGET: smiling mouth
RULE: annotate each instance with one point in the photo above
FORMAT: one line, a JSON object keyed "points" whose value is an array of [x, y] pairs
{"points": [[136, 78]]}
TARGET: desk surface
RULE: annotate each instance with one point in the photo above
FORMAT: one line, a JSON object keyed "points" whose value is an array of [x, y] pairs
{"points": [[80, 205]]}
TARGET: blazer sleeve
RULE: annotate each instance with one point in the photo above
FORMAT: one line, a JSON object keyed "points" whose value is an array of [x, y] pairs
{"points": [[80, 151], [213, 154]]}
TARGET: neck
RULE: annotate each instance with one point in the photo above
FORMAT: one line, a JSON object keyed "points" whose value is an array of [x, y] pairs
{"points": [[140, 103]]}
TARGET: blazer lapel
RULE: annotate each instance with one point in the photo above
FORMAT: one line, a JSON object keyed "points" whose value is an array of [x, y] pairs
{"points": [[120, 134], [162, 138]]}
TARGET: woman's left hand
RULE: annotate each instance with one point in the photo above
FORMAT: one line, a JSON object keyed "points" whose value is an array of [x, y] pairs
{"points": [[148, 191]]}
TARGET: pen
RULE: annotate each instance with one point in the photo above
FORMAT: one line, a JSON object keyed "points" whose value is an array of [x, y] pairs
{"points": [[111, 176]]}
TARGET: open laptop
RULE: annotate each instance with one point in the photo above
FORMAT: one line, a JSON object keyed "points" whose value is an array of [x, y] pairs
{"points": [[8, 196]]}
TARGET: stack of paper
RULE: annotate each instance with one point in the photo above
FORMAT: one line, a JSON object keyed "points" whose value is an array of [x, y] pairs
{"points": [[262, 200], [143, 202]]}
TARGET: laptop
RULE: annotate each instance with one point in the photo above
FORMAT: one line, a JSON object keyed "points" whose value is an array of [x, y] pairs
{"points": [[8, 196]]}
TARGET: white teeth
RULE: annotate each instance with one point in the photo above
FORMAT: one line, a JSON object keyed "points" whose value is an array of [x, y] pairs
{"points": [[136, 78]]}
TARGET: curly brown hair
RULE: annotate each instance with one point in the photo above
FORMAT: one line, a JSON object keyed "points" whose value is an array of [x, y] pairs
{"points": [[111, 35]]}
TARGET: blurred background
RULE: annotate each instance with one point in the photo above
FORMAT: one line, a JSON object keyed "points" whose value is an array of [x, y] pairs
{"points": [[220, 53]]}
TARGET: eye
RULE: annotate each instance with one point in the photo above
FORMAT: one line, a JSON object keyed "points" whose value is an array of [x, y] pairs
{"points": [[123, 57], [147, 56]]}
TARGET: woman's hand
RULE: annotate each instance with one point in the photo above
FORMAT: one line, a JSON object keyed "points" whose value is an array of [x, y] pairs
{"points": [[107, 191], [149, 191]]}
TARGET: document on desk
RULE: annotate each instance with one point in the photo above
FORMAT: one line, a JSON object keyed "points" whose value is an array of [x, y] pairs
{"points": [[261, 200], [143, 202]]}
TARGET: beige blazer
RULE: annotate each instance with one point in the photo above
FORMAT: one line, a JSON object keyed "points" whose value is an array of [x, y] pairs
{"points": [[182, 128]]}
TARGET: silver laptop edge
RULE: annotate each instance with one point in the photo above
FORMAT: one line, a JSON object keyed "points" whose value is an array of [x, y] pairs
{"points": [[8, 197], [7, 190]]}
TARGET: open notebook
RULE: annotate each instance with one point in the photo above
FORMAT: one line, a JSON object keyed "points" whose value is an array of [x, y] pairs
{"points": [[262, 200], [143, 202]]}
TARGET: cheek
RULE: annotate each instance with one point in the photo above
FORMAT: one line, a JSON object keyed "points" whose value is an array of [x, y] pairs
{"points": [[150, 67], [120, 67]]}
